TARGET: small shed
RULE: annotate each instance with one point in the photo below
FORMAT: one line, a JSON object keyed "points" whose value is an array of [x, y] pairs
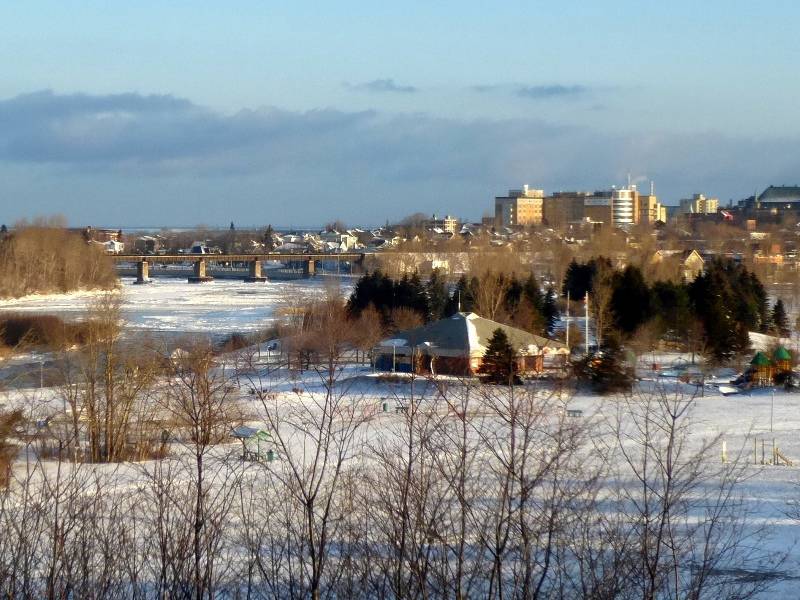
{"points": [[263, 441]]}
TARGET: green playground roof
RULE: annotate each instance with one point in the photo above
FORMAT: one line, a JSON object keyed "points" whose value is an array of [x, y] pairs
{"points": [[781, 353], [760, 360]]}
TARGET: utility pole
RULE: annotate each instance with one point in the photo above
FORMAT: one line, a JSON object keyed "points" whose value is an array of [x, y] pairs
{"points": [[586, 311], [567, 339]]}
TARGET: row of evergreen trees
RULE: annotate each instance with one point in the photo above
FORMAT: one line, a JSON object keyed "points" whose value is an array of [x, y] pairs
{"points": [[715, 311], [506, 298]]}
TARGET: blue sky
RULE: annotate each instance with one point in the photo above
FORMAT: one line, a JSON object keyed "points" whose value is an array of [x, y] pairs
{"points": [[295, 113]]}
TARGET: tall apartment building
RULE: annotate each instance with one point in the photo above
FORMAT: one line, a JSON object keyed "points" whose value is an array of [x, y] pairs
{"points": [[699, 204], [651, 210], [520, 207]]}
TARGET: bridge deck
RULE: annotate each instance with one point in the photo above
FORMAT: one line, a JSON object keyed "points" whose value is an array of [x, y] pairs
{"points": [[282, 257]]}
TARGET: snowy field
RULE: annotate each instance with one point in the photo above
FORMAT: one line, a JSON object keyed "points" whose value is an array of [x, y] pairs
{"points": [[175, 306], [748, 424], [768, 493]]}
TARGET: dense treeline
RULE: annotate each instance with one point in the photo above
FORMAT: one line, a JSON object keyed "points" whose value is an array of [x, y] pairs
{"points": [[45, 259], [499, 296], [713, 313]]}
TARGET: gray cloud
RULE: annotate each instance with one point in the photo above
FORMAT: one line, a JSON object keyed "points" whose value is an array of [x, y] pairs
{"points": [[545, 92], [536, 92], [381, 86], [166, 159]]}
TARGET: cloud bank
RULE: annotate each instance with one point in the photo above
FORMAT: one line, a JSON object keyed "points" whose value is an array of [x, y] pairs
{"points": [[130, 158]]}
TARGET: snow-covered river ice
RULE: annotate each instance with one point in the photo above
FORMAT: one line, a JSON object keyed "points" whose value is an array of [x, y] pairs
{"points": [[173, 306]]}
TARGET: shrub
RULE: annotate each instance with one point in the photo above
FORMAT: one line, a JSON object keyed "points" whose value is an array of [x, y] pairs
{"points": [[234, 341], [606, 371], [49, 331]]}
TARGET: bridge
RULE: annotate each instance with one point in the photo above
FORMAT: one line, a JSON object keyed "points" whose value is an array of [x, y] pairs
{"points": [[201, 261]]}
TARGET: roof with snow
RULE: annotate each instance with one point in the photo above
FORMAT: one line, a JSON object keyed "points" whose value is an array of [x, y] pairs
{"points": [[468, 334], [780, 193]]}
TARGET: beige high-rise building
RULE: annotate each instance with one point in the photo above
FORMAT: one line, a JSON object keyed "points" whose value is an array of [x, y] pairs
{"points": [[520, 207], [651, 210], [699, 204]]}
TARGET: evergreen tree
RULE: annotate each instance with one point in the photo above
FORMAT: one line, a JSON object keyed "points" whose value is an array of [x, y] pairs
{"points": [[418, 297], [672, 309], [780, 322], [403, 293], [513, 295], [550, 311], [462, 296], [499, 364], [532, 292], [268, 239], [630, 300], [606, 371], [578, 277], [726, 299], [438, 298]]}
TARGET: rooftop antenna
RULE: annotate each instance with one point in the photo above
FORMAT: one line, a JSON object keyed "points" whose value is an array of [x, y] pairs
{"points": [[629, 181], [652, 188]]}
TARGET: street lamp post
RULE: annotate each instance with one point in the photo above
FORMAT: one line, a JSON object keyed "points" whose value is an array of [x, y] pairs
{"points": [[771, 410]]}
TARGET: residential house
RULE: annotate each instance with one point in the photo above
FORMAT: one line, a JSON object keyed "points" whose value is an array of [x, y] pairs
{"points": [[456, 346], [693, 265]]}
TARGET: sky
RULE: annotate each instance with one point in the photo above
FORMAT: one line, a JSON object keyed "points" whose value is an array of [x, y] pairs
{"points": [[146, 113]]}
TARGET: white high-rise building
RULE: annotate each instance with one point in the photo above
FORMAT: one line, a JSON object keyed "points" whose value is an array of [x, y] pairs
{"points": [[624, 206]]}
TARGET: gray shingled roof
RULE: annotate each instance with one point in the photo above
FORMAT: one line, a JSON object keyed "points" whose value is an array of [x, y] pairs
{"points": [[467, 333]]}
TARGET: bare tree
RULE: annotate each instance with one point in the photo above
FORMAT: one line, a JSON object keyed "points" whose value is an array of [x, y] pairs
{"points": [[316, 436], [685, 531], [199, 398]]}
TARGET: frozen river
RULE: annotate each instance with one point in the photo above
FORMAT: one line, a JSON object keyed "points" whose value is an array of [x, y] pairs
{"points": [[174, 306]]}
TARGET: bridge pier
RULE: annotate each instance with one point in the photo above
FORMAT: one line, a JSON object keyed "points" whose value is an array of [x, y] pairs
{"points": [[309, 268], [199, 275], [142, 272], [254, 272]]}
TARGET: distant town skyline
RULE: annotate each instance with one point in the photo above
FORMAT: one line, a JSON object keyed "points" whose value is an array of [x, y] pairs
{"points": [[192, 113]]}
